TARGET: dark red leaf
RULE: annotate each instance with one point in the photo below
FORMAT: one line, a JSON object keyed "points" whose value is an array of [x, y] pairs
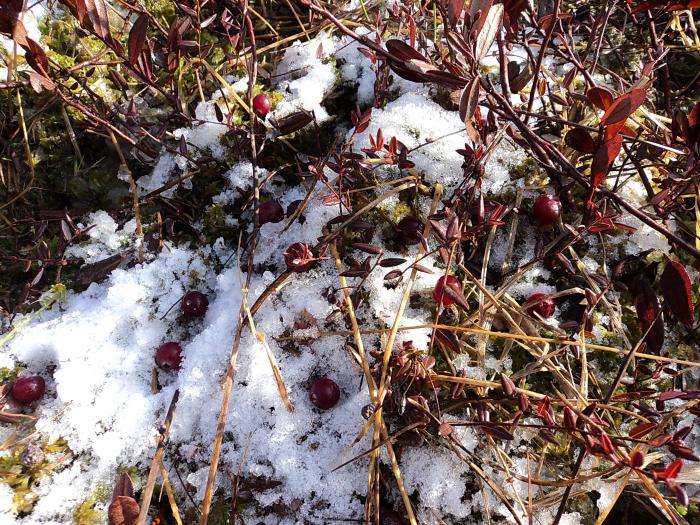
{"points": [[680, 493], [580, 140], [123, 487], [620, 110], [368, 248], [497, 432], [137, 38], [403, 51], [603, 158], [678, 292], [641, 430], [293, 122], [649, 315], [507, 385], [600, 97], [469, 100], [449, 340], [393, 274], [683, 452]]}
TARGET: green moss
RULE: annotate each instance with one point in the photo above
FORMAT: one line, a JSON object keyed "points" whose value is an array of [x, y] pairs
{"points": [[85, 513]]}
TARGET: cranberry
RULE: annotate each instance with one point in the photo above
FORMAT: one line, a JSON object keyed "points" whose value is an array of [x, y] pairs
{"points": [[438, 294], [262, 104], [547, 209], [169, 356], [324, 393], [544, 308], [270, 211], [410, 230], [194, 304], [299, 258], [28, 389]]}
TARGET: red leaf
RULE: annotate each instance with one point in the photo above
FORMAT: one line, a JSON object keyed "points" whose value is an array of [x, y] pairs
{"points": [[648, 313], [600, 97], [137, 37], [678, 292], [604, 156], [469, 100], [673, 470], [123, 511], [403, 51], [641, 430], [580, 140], [623, 107], [497, 432], [123, 487]]}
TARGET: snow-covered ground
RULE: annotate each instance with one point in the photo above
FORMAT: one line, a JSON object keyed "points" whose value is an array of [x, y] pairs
{"points": [[96, 348]]}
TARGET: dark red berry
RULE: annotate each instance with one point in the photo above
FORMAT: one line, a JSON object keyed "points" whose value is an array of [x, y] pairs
{"points": [[544, 309], [28, 389], [270, 211], [438, 292], [324, 393], [169, 356], [299, 257], [410, 230], [262, 104], [194, 304], [547, 209]]}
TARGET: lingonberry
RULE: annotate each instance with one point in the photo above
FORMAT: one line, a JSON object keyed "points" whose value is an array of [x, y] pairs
{"points": [[439, 292], [544, 308], [28, 389], [410, 230], [270, 211], [262, 104], [194, 304], [299, 257], [169, 356], [547, 209], [324, 393]]}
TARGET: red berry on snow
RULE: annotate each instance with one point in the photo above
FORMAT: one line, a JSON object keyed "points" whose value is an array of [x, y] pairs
{"points": [[438, 292], [169, 356], [324, 393], [194, 304], [262, 104], [299, 258], [270, 211], [410, 230], [547, 209], [543, 309], [28, 389]]}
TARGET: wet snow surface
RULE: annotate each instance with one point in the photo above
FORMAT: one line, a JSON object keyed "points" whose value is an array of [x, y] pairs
{"points": [[96, 349]]}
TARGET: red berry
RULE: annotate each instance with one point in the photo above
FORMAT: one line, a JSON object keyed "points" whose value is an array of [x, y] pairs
{"points": [[324, 393], [262, 104], [28, 389], [169, 356], [547, 209], [299, 258], [410, 230], [270, 211], [194, 304], [438, 294], [544, 309]]}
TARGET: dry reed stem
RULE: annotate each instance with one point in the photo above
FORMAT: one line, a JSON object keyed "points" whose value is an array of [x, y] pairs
{"points": [[156, 463]]}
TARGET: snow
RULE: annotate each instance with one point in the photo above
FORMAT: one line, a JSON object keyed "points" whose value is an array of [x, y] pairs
{"points": [[106, 238], [96, 349]]}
